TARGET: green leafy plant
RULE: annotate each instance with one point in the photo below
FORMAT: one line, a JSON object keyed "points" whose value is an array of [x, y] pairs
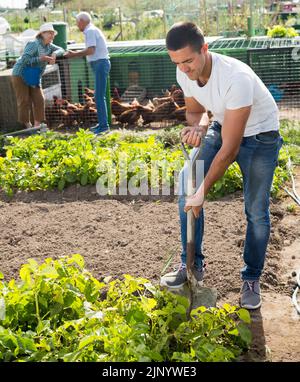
{"points": [[290, 130], [279, 31], [58, 311], [291, 208], [54, 160]]}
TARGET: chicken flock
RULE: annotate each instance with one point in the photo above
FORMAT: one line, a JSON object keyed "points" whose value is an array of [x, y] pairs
{"points": [[62, 112], [170, 106]]}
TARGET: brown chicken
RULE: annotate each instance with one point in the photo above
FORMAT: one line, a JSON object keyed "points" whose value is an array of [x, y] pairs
{"points": [[88, 101], [147, 116], [146, 113], [164, 110], [69, 106], [173, 88], [52, 110], [58, 101], [89, 92], [117, 108], [161, 112], [159, 100], [116, 95], [129, 117], [179, 114], [66, 117], [174, 94], [178, 97]]}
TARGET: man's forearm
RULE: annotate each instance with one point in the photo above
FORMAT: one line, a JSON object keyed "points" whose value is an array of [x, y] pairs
{"points": [[193, 119], [197, 119], [217, 169], [83, 53]]}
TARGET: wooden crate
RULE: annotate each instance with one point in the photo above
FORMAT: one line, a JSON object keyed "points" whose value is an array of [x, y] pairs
{"points": [[8, 103]]}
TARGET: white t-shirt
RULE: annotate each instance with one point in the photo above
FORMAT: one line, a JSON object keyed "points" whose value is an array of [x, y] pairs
{"points": [[94, 37], [232, 85]]}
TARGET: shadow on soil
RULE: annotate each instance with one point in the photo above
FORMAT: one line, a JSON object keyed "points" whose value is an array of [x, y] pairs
{"points": [[257, 351]]}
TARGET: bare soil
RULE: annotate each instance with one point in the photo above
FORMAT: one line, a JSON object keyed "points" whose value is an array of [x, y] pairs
{"points": [[137, 237]]}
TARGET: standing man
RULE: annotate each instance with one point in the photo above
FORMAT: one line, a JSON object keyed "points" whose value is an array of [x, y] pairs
{"points": [[245, 130], [97, 55]]}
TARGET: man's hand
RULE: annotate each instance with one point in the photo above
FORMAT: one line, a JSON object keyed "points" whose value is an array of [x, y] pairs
{"points": [[69, 54], [195, 202], [192, 135]]}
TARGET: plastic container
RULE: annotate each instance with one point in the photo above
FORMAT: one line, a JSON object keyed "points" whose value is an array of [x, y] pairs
{"points": [[61, 38]]}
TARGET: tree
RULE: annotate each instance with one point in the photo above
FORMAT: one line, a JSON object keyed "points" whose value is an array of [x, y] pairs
{"points": [[34, 3]]}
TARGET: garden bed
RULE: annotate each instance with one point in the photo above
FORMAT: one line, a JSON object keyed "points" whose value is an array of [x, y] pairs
{"points": [[137, 235], [137, 238]]}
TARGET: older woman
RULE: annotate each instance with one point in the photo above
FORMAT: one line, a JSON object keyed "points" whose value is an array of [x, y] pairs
{"points": [[37, 54]]}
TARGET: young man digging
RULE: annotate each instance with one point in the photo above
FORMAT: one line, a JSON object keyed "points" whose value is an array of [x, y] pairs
{"points": [[245, 129]]}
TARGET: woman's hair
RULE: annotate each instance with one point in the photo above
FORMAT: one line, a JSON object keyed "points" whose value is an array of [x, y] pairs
{"points": [[85, 16], [184, 34]]}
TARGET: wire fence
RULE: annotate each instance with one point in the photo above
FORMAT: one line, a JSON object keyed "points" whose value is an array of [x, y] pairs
{"points": [[142, 90]]}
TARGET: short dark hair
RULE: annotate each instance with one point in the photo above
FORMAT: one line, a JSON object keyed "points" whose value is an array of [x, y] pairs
{"points": [[184, 34]]}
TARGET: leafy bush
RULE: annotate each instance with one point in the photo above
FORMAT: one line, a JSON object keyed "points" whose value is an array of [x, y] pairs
{"points": [[50, 161], [55, 161], [290, 130], [279, 31], [59, 312]]}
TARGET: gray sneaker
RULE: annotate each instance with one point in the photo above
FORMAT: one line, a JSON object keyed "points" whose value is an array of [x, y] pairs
{"points": [[250, 294], [175, 280]]}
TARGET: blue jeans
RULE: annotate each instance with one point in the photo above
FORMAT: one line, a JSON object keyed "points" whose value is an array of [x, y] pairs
{"points": [[101, 70], [257, 159]]}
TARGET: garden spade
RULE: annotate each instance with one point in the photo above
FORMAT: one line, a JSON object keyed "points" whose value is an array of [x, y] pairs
{"points": [[198, 295]]}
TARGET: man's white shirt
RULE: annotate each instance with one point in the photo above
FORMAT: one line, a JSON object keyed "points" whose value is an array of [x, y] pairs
{"points": [[95, 37], [233, 85]]}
